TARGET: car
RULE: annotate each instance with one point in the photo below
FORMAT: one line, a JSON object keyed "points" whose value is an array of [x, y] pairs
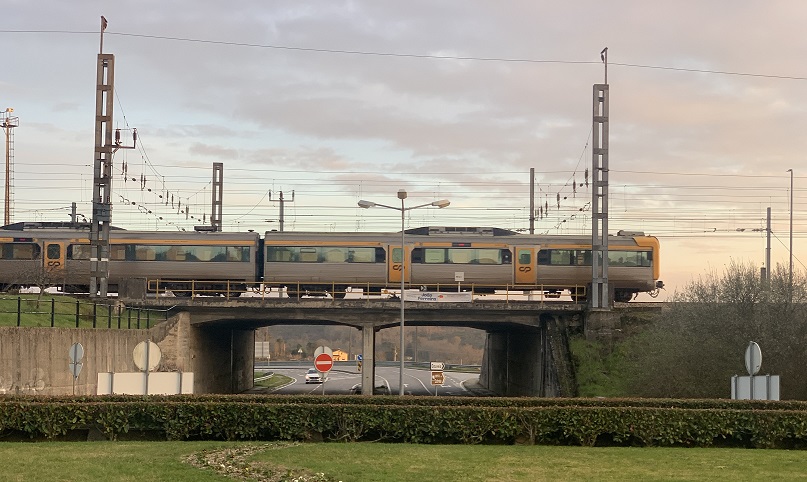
{"points": [[379, 390], [313, 376]]}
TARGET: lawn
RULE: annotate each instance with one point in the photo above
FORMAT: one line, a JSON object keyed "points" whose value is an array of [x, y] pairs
{"points": [[146, 461]]}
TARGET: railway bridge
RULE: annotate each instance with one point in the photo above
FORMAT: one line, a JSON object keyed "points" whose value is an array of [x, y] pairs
{"points": [[526, 349]]}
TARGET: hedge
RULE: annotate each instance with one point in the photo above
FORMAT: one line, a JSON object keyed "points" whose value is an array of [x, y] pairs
{"points": [[588, 422]]}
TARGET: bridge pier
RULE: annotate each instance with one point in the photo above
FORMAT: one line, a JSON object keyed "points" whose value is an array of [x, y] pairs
{"points": [[531, 361], [222, 359], [368, 359]]}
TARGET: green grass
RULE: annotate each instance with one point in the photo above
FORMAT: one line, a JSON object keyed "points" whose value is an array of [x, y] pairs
{"points": [[367, 462], [35, 311], [274, 381], [598, 373], [416, 463]]}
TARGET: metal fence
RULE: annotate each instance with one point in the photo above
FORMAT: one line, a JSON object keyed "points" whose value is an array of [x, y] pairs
{"points": [[64, 313]]}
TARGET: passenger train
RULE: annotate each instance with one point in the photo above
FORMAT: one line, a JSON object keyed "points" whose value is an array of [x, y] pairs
{"points": [[485, 260]]}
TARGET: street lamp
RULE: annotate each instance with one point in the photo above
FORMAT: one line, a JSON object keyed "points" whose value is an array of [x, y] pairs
{"points": [[402, 196]]}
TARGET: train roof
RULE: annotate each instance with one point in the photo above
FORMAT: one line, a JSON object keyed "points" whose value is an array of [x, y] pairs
{"points": [[32, 225]]}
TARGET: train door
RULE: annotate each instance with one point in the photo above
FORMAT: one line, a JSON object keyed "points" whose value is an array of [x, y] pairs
{"points": [[525, 265], [394, 266], [54, 259]]}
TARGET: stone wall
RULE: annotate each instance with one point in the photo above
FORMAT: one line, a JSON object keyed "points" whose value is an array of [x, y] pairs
{"points": [[37, 360]]}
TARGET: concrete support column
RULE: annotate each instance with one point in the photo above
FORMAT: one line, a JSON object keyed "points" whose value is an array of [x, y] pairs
{"points": [[518, 362], [368, 360], [223, 359]]}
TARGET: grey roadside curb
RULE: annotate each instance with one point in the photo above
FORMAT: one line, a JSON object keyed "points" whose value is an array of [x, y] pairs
{"points": [[476, 389]]}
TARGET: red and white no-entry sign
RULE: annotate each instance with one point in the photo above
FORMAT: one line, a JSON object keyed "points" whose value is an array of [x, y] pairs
{"points": [[323, 362]]}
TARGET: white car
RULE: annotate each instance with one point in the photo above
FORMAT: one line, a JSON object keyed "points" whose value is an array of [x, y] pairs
{"points": [[313, 376]]}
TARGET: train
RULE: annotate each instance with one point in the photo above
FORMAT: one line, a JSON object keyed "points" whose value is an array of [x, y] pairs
{"points": [[485, 260]]}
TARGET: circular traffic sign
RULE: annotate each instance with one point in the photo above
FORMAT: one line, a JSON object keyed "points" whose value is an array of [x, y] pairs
{"points": [[753, 358], [323, 362]]}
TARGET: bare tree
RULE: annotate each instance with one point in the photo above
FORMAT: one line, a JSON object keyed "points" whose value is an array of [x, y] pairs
{"points": [[698, 344]]}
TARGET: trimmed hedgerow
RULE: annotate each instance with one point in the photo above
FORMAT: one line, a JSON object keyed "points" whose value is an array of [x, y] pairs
{"points": [[637, 422]]}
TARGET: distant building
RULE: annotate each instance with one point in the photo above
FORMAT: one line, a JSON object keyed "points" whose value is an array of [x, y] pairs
{"points": [[339, 355]]}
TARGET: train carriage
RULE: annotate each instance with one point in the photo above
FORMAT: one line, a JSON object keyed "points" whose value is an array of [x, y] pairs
{"points": [[57, 254], [328, 262], [484, 259]]}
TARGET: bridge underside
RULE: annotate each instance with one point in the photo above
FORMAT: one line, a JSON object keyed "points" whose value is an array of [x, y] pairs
{"points": [[526, 350]]}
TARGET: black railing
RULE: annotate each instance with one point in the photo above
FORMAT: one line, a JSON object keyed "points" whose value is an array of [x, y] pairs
{"points": [[38, 311]]}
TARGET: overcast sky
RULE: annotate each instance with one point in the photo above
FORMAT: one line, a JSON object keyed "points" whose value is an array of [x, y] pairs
{"points": [[339, 101]]}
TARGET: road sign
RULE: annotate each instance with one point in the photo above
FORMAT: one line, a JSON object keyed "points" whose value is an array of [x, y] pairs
{"points": [[437, 366], [323, 349], [146, 356], [753, 358], [323, 362], [76, 353], [438, 378], [358, 357]]}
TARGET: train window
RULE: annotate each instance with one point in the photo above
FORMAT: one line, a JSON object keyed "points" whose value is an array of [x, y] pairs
{"points": [[489, 256], [543, 257], [238, 253], [20, 251], [54, 251], [630, 258], [313, 254], [281, 254], [396, 255], [335, 255], [81, 251], [434, 255], [117, 252], [362, 255], [461, 256], [507, 256], [309, 255], [561, 257], [524, 256]]}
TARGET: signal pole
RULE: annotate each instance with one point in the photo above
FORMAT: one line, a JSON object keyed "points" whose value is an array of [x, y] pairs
{"points": [[600, 294], [8, 123], [105, 148], [282, 202]]}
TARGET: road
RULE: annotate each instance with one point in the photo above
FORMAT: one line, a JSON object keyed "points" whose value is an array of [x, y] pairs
{"points": [[341, 379]]}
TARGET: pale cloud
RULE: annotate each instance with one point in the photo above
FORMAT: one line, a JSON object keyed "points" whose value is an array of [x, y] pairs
{"points": [[256, 88]]}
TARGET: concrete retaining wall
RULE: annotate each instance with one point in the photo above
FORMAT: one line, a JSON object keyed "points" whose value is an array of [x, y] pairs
{"points": [[36, 360]]}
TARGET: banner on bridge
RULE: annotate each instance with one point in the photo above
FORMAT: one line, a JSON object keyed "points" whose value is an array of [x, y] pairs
{"points": [[438, 297]]}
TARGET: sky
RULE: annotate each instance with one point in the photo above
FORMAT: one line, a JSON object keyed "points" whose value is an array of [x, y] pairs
{"points": [[333, 102]]}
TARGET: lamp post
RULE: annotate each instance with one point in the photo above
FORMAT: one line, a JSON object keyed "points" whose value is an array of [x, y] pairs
{"points": [[402, 196], [790, 271]]}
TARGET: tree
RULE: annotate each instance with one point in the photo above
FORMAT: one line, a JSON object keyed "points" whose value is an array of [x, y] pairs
{"points": [[699, 343]]}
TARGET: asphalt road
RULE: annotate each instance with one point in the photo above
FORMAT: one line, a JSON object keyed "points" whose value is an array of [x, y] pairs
{"points": [[339, 381]]}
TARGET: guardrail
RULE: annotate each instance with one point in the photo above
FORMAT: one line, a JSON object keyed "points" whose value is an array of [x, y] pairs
{"points": [[35, 311], [336, 291]]}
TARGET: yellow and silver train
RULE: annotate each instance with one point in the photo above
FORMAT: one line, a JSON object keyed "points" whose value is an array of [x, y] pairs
{"points": [[485, 259]]}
